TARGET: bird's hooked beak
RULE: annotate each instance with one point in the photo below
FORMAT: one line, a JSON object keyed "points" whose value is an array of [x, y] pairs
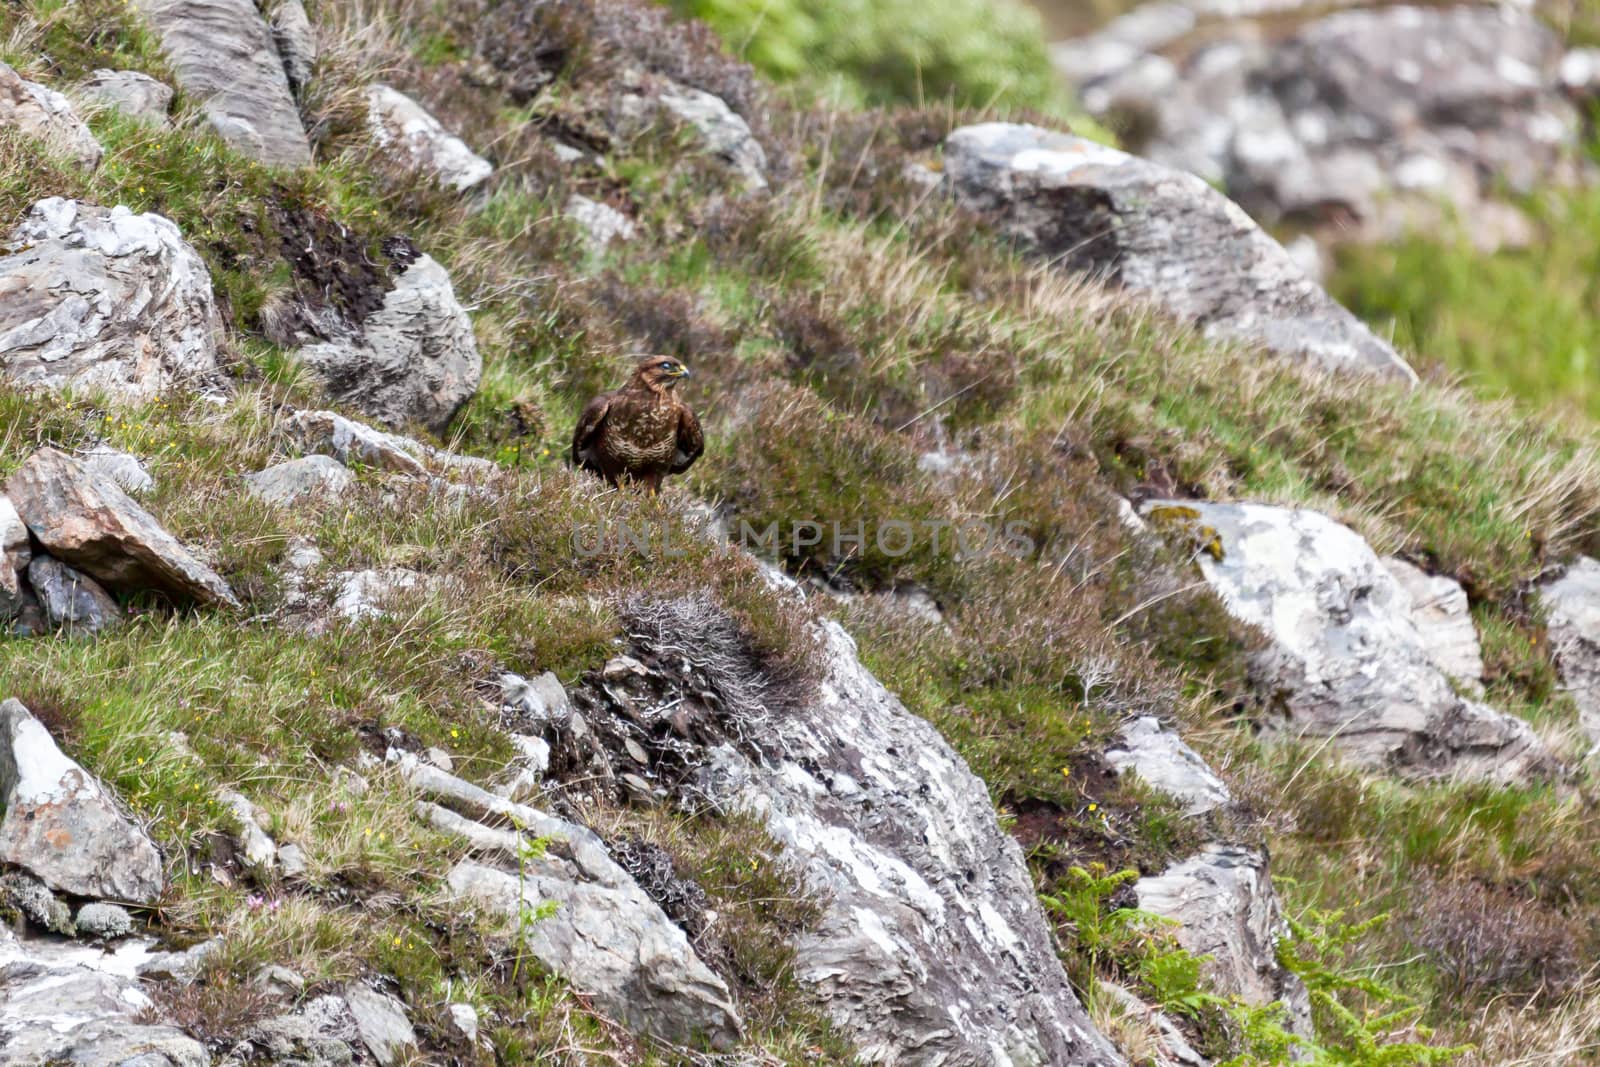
{"points": [[682, 372]]}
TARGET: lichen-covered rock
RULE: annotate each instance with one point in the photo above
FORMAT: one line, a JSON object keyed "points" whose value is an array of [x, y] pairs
{"points": [[224, 56], [103, 299], [47, 115], [607, 937], [98, 529], [136, 95], [71, 600], [62, 1003], [726, 135], [1572, 611], [1444, 620], [1223, 903], [401, 125], [601, 223], [1347, 665], [1161, 234], [284, 483], [60, 823], [931, 947], [120, 468], [382, 1023], [1161, 759], [414, 360]]}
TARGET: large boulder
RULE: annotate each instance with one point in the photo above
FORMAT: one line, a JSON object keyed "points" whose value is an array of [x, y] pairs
{"points": [[1358, 122], [47, 115], [136, 95], [1347, 665], [1572, 612], [606, 937], [62, 1003], [1159, 233], [404, 127], [413, 360], [103, 299], [93, 525], [931, 947], [224, 56], [62, 826]]}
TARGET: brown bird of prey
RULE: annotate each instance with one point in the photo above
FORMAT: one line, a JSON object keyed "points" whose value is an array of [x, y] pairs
{"points": [[641, 432]]}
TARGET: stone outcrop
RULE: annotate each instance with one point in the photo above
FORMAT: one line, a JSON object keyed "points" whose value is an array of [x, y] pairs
{"points": [[136, 95], [1161, 234], [1347, 665], [931, 947], [105, 300], [413, 360], [1572, 612], [296, 40], [224, 56], [606, 937], [45, 114], [1360, 123], [63, 1003], [284, 483], [70, 599], [98, 529], [1161, 759], [62, 826], [1225, 908], [401, 125]]}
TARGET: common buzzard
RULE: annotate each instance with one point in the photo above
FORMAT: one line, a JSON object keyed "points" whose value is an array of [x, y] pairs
{"points": [[641, 432]]}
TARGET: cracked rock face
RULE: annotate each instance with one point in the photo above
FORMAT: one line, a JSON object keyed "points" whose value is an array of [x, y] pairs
{"points": [[404, 126], [1162, 234], [47, 115], [60, 823], [93, 525], [931, 948], [1348, 665], [1572, 609], [224, 56], [102, 299], [413, 360]]}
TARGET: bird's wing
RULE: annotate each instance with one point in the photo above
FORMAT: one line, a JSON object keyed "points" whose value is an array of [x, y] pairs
{"points": [[587, 433], [691, 442]]}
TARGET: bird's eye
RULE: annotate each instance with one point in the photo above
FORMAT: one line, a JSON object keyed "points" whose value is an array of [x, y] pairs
{"points": [[666, 366]]}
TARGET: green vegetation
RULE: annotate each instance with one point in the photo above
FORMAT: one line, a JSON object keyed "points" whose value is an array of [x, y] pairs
{"points": [[1523, 322], [976, 53]]}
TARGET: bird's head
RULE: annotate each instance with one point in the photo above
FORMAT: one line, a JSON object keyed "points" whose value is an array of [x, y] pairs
{"points": [[660, 372]]}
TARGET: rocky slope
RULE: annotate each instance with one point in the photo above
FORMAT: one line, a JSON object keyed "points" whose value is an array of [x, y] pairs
{"points": [[1083, 642]]}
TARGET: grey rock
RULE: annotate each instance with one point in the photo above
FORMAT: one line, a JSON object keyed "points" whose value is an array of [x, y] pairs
{"points": [[931, 947], [1572, 613], [15, 553], [1443, 619], [136, 95], [440, 758], [72, 600], [45, 114], [181, 967], [528, 769], [1171, 1047], [415, 358], [34, 900], [350, 442], [286, 482], [601, 223], [1161, 234], [464, 1020], [382, 1023], [1347, 666], [542, 699], [122, 469], [1223, 903], [100, 919], [292, 860], [62, 826], [223, 55], [322, 1033], [259, 850], [62, 1003], [1580, 72], [367, 594], [1161, 759], [721, 130], [105, 300], [403, 126], [612, 943], [296, 42], [279, 982], [97, 528]]}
